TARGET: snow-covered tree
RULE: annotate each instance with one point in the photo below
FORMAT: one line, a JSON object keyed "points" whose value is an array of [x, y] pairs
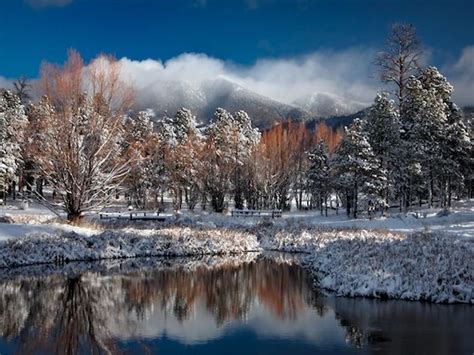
{"points": [[433, 131], [138, 127], [138, 137], [382, 125], [229, 142], [180, 149], [458, 153], [184, 125], [401, 58], [319, 177], [12, 124], [81, 132], [243, 139], [184, 159], [78, 153], [357, 169]]}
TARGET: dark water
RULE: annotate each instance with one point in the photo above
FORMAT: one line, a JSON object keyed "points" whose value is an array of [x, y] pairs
{"points": [[242, 305]]}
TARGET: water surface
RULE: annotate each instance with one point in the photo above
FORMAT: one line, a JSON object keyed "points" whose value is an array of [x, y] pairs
{"points": [[216, 305]]}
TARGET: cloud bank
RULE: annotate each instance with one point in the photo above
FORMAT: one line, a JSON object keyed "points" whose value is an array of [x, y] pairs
{"points": [[346, 74], [5, 83], [461, 75]]}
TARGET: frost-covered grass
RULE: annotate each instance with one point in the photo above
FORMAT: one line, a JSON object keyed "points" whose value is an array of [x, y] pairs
{"points": [[421, 266], [113, 244], [414, 263]]}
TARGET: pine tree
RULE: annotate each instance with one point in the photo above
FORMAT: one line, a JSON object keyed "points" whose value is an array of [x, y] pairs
{"points": [[243, 139], [138, 134], [382, 125], [228, 144], [319, 175], [434, 131], [184, 125], [357, 169], [12, 124], [400, 59]]}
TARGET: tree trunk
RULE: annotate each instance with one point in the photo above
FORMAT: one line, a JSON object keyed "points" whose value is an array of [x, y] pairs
{"points": [[450, 192], [431, 192], [356, 193], [321, 204], [74, 216], [326, 205], [348, 203]]}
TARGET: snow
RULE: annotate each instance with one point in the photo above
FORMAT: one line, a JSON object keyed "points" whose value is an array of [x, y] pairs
{"points": [[19, 230], [114, 244], [460, 222], [427, 258], [420, 266]]}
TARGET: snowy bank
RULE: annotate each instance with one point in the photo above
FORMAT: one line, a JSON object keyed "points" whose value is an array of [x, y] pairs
{"points": [[114, 244], [421, 266]]}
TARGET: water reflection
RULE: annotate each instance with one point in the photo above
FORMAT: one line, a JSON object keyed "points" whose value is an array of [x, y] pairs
{"points": [[146, 305], [401, 327]]}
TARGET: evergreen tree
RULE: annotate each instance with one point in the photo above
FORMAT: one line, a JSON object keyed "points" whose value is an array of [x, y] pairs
{"points": [[434, 130], [183, 162], [229, 143], [319, 175], [382, 125], [357, 169], [12, 124], [138, 134], [400, 59]]}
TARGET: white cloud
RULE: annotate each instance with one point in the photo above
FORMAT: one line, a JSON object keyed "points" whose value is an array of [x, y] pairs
{"points": [[461, 75], [5, 83], [48, 3], [346, 74]]}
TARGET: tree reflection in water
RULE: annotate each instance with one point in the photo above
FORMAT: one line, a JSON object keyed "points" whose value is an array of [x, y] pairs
{"points": [[73, 315], [92, 311]]}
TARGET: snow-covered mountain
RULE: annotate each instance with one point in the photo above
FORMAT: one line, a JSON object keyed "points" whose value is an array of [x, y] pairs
{"points": [[324, 105], [166, 97]]}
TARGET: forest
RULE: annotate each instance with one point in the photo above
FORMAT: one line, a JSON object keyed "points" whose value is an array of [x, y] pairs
{"points": [[82, 139]]}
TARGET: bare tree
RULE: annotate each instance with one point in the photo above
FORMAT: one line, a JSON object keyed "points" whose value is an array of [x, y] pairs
{"points": [[78, 142], [401, 57], [22, 87]]}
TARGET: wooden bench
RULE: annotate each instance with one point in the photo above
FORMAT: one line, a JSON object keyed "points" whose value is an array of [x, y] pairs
{"points": [[133, 216], [256, 213]]}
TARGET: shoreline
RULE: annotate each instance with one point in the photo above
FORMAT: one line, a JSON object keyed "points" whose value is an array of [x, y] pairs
{"points": [[347, 262]]}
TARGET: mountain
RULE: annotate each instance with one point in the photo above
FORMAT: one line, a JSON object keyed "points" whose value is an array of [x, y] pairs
{"points": [[263, 110], [346, 120], [326, 105], [338, 121], [468, 112], [166, 97]]}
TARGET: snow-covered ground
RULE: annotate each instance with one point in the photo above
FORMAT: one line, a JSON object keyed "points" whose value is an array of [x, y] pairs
{"points": [[459, 221], [19, 230], [422, 256], [114, 244], [420, 266]]}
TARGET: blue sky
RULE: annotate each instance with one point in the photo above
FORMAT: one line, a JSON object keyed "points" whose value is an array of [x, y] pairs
{"points": [[238, 32]]}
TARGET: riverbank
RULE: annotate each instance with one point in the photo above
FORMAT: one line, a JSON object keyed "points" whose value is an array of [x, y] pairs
{"points": [[421, 266]]}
